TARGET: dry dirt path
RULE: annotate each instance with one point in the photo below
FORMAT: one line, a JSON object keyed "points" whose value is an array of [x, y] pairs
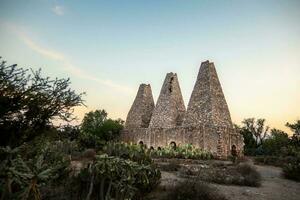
{"points": [[273, 187]]}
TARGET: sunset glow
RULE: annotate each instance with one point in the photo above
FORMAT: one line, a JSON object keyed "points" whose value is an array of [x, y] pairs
{"points": [[108, 48]]}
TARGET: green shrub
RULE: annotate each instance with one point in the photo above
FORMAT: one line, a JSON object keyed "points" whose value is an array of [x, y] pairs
{"points": [[97, 127], [292, 151], [23, 180], [268, 160], [112, 177], [193, 190], [186, 151], [136, 153], [291, 170]]}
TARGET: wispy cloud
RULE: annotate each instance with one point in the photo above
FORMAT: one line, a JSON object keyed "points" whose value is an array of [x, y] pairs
{"points": [[58, 10], [43, 51], [60, 57]]}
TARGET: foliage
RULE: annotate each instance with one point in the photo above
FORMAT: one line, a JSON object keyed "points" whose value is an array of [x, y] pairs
{"points": [[96, 127], [295, 140], [93, 121], [294, 127], [278, 161], [29, 102], [291, 170], [112, 177], [222, 173], [193, 190], [53, 139], [259, 142], [58, 157], [273, 145], [185, 151], [136, 153], [170, 166], [69, 132], [20, 179], [250, 174], [254, 133], [284, 151]]}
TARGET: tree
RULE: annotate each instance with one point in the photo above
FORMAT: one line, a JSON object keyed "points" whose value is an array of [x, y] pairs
{"points": [[254, 133], [30, 102], [295, 140], [250, 145], [96, 126], [111, 129], [278, 139], [257, 129], [294, 127], [93, 121]]}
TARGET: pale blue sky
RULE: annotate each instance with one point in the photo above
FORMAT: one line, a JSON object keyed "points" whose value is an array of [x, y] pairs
{"points": [[108, 48]]}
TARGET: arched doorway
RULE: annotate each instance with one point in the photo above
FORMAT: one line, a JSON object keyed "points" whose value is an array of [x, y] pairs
{"points": [[142, 145], [173, 145], [233, 150]]}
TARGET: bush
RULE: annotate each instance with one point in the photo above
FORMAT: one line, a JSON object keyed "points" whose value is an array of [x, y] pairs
{"points": [[242, 174], [132, 152], [172, 166], [111, 177], [278, 161], [250, 174], [185, 151], [291, 170], [96, 126], [20, 179], [194, 190]]}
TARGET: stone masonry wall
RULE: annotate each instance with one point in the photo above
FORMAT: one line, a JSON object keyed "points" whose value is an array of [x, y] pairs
{"points": [[207, 103], [204, 137], [206, 124], [169, 111], [161, 137], [141, 110]]}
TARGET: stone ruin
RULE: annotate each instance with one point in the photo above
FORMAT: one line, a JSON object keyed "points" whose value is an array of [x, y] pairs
{"points": [[206, 124]]}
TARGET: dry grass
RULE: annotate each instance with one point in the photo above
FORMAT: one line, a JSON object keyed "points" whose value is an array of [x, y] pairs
{"points": [[193, 190], [169, 167], [250, 174], [242, 174]]}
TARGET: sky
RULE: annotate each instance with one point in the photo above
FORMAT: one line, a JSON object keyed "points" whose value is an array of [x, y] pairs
{"points": [[108, 48]]}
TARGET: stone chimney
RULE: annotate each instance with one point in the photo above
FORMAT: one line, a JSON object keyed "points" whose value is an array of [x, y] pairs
{"points": [[207, 104], [169, 111], [141, 110]]}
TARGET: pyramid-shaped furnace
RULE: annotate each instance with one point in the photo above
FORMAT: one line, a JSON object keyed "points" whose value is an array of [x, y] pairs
{"points": [[169, 111], [141, 110], [207, 104]]}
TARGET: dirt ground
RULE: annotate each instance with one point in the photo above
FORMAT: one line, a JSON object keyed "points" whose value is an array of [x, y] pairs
{"points": [[273, 187]]}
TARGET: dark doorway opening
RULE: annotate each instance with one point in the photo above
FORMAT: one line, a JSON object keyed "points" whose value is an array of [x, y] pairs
{"points": [[173, 145], [233, 150]]}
